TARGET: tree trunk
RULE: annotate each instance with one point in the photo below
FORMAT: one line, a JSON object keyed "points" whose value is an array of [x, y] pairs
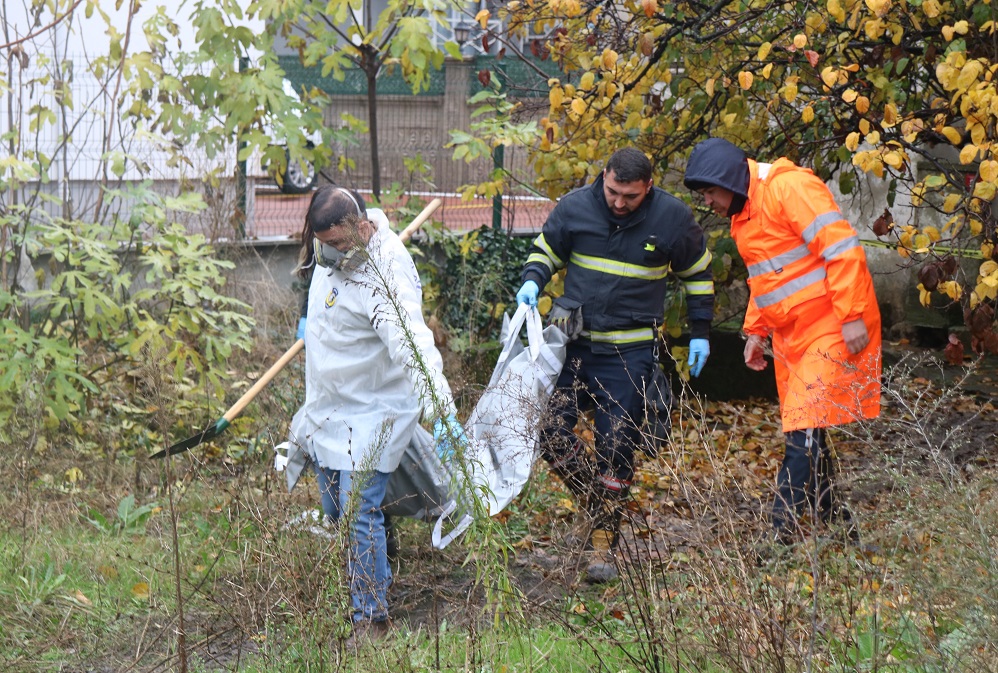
{"points": [[372, 123]]}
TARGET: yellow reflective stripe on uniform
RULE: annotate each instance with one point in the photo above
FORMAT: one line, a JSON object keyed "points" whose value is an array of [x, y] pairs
{"points": [[820, 223], [615, 268], [541, 243], [700, 265], [625, 336], [790, 287], [699, 287], [541, 258]]}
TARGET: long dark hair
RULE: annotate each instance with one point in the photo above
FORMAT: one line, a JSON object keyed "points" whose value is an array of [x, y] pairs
{"points": [[330, 205]]}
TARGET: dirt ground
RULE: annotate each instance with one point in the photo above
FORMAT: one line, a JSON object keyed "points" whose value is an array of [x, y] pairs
{"points": [[709, 490], [686, 499]]}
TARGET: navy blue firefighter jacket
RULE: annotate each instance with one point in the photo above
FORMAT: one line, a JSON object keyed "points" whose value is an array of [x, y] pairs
{"points": [[618, 266]]}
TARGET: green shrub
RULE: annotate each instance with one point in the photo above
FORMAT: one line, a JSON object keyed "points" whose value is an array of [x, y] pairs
{"points": [[115, 296], [482, 276]]}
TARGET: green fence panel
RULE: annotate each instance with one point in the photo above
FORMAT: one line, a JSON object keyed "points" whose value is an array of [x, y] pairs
{"points": [[354, 82], [521, 78], [525, 79]]}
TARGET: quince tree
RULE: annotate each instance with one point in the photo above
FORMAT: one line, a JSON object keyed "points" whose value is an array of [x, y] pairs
{"points": [[900, 90]]}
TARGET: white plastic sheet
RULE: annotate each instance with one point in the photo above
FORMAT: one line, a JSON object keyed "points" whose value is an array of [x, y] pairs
{"points": [[503, 428]]}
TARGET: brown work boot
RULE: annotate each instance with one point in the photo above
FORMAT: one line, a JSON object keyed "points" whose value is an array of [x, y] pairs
{"points": [[605, 509], [602, 566]]}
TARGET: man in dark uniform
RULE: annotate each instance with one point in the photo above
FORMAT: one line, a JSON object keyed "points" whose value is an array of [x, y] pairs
{"points": [[618, 238]]}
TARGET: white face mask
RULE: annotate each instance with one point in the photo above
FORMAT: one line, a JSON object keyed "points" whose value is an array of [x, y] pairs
{"points": [[333, 258]]}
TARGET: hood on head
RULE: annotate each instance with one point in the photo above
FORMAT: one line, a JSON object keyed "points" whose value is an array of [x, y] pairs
{"points": [[717, 163]]}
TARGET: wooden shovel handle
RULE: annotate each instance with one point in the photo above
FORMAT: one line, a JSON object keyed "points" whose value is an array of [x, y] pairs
{"points": [[299, 345], [262, 382], [424, 215]]}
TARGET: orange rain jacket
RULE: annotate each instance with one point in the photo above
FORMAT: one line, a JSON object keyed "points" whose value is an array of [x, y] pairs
{"points": [[807, 277]]}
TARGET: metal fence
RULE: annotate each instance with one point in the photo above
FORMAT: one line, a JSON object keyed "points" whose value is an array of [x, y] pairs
{"points": [[279, 215], [414, 159], [528, 77], [414, 129]]}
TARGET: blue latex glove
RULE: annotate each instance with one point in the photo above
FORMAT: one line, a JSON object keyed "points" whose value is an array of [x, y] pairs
{"points": [[527, 294], [447, 435], [699, 352], [300, 334]]}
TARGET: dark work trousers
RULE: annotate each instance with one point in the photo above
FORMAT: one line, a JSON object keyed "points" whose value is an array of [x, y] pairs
{"points": [[805, 478], [612, 385]]}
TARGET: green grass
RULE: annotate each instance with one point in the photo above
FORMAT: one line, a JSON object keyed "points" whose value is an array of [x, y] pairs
{"points": [[75, 594], [94, 576], [525, 648]]}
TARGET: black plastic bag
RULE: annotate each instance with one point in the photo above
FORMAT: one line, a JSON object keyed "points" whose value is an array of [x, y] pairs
{"points": [[658, 409]]}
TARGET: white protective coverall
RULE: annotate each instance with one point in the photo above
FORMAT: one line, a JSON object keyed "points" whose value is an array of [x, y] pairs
{"points": [[364, 386]]}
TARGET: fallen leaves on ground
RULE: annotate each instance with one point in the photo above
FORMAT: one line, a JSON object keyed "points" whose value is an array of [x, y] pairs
{"points": [[713, 483]]}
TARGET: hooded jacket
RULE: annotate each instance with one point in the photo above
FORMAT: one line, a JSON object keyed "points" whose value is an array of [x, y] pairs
{"points": [[790, 234], [807, 278], [717, 163], [617, 267]]}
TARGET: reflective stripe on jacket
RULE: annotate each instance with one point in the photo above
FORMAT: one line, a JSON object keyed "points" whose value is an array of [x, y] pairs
{"points": [[617, 268], [797, 246]]}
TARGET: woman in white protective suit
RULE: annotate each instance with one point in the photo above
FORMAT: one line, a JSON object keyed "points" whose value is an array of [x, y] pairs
{"points": [[371, 371]]}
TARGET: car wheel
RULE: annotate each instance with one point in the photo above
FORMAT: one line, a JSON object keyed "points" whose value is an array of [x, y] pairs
{"points": [[298, 179]]}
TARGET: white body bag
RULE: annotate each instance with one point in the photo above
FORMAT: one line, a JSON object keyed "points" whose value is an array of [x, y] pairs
{"points": [[502, 434], [504, 427]]}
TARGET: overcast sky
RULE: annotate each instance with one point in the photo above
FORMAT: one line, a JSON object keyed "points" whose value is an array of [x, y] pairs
{"points": [[87, 36]]}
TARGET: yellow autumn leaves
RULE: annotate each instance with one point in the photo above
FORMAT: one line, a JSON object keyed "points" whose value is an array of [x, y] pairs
{"points": [[861, 103], [974, 101], [788, 90], [876, 161], [567, 8], [958, 28], [971, 82], [950, 288], [878, 8], [987, 283], [590, 93], [986, 287], [609, 59], [833, 76], [913, 240]]}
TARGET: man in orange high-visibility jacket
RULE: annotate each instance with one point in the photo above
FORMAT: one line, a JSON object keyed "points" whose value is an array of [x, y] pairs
{"points": [[811, 290]]}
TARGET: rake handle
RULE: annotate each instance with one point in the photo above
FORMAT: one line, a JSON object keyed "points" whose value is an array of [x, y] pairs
{"points": [[424, 215]]}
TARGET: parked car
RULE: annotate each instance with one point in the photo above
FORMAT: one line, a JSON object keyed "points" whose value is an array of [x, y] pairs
{"points": [[298, 177], [295, 177]]}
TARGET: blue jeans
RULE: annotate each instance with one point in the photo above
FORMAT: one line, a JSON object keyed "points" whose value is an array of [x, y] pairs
{"points": [[367, 565]]}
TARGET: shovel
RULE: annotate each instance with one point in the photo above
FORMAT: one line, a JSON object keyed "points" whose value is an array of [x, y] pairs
{"points": [[219, 426]]}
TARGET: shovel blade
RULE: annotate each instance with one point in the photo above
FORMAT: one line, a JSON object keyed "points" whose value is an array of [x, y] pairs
{"points": [[209, 433]]}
